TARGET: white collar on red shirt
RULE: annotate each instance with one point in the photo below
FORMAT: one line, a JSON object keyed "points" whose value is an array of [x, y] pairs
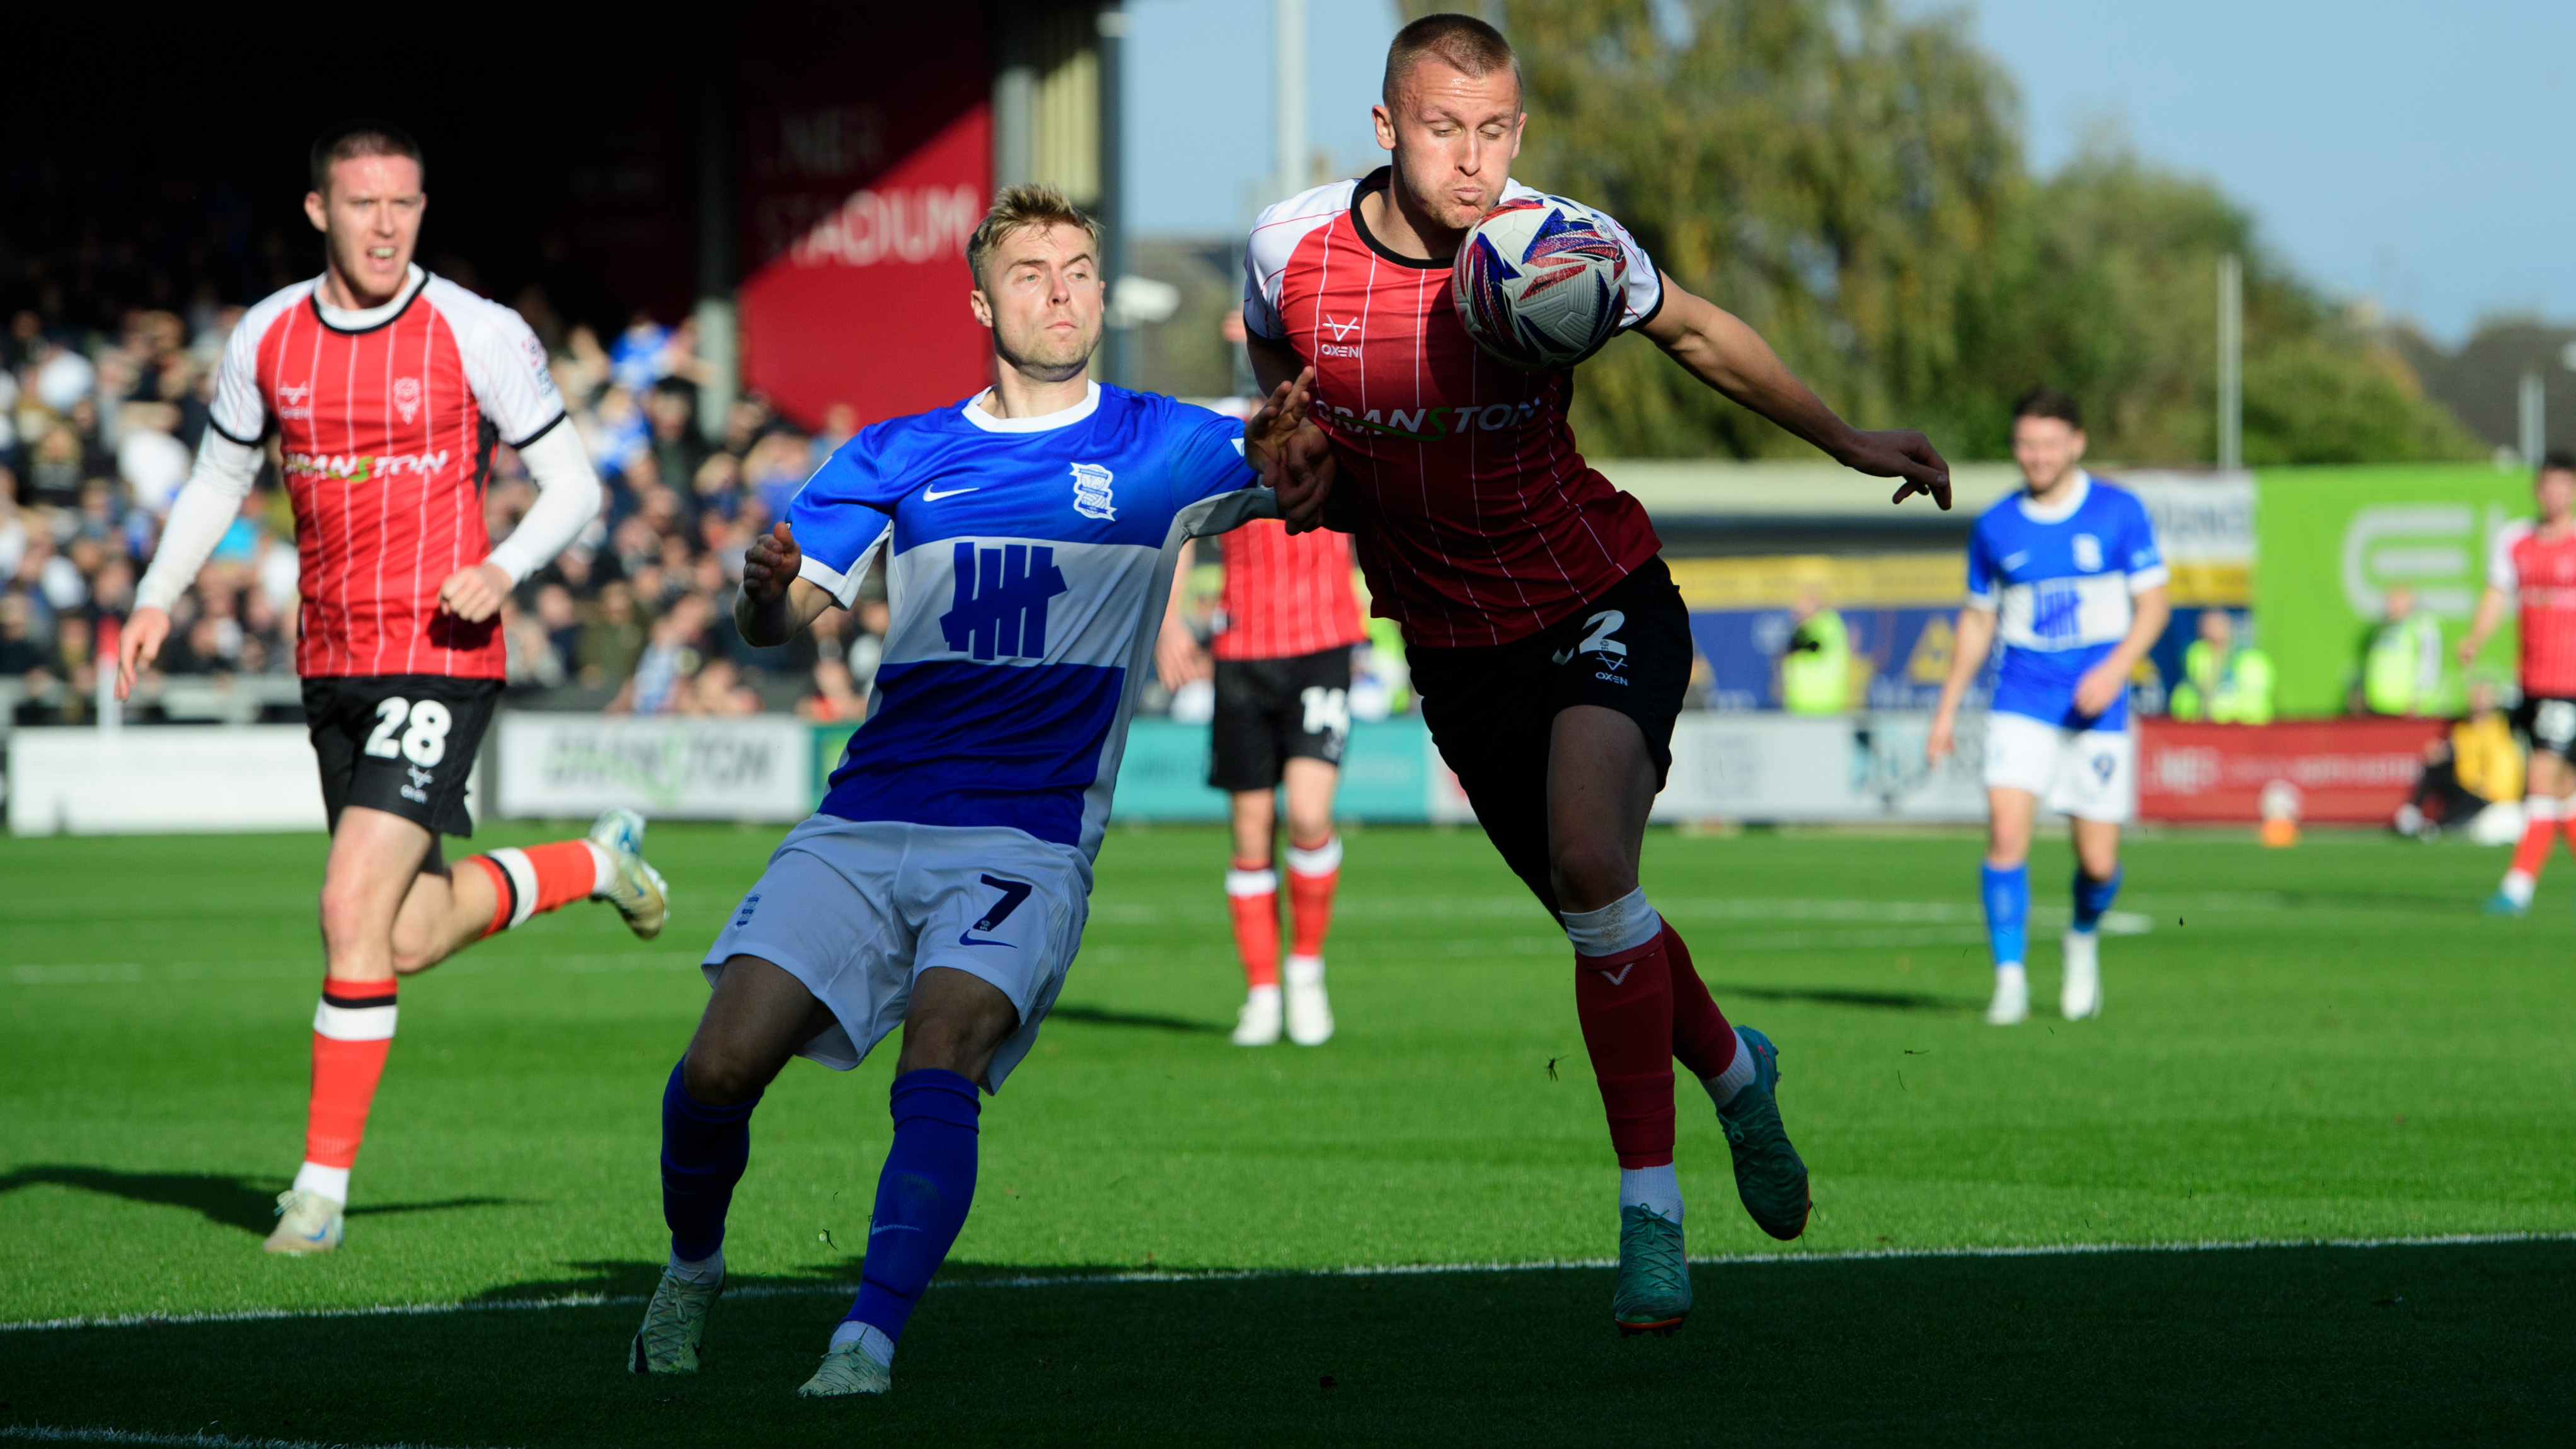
{"points": [[348, 319]]}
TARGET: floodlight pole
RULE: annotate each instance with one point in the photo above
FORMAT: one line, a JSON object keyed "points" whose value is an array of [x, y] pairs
{"points": [[2231, 362], [1288, 102], [2534, 418]]}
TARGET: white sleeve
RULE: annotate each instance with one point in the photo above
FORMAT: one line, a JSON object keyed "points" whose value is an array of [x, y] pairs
{"points": [[505, 364], [567, 500], [1643, 290], [2501, 573], [238, 412], [206, 506]]}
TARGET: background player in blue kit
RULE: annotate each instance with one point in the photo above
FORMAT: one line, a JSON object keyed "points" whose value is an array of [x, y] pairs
{"points": [[1030, 535], [2068, 575]]}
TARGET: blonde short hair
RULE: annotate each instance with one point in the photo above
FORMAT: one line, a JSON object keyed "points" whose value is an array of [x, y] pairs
{"points": [[1027, 204]]}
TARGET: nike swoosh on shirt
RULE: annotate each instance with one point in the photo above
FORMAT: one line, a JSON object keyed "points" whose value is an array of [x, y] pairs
{"points": [[933, 495]]}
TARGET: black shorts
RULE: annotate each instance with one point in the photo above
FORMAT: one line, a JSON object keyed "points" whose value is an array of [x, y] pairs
{"points": [[1271, 711], [400, 743], [2549, 722], [1492, 710]]}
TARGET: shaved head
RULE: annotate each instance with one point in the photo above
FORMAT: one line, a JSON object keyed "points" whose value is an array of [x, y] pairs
{"points": [[1462, 42]]}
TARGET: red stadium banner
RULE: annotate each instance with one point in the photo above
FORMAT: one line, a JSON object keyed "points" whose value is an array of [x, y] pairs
{"points": [[2347, 771], [861, 179]]}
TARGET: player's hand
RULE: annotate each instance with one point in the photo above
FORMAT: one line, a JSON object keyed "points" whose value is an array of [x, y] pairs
{"points": [[139, 645], [1901, 453], [2099, 688], [1178, 659], [475, 592], [1943, 739], [771, 565], [1306, 482]]}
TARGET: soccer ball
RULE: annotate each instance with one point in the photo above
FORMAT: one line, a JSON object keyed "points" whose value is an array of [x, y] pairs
{"points": [[1540, 282]]}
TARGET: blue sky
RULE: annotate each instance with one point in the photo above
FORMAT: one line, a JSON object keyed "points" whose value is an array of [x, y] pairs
{"points": [[2413, 152]]}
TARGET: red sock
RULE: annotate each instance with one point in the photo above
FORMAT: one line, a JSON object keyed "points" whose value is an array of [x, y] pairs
{"points": [[532, 880], [1703, 1041], [2537, 834], [1313, 875], [1252, 894], [352, 1030], [1626, 1005]]}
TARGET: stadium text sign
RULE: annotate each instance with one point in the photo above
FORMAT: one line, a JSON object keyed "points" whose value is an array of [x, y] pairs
{"points": [[2346, 771], [564, 766]]}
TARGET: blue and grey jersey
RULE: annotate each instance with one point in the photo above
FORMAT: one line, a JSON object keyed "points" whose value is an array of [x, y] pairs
{"points": [[1028, 563], [2061, 581]]}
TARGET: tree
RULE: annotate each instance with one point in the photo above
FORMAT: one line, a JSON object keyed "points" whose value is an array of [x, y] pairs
{"points": [[1847, 179]]}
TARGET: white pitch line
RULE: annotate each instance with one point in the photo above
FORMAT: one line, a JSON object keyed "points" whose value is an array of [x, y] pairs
{"points": [[44, 1434], [1241, 1275]]}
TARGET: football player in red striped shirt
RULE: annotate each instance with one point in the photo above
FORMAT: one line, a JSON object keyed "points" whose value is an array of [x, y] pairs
{"points": [[386, 389], [1286, 623], [1548, 643], [2533, 564]]}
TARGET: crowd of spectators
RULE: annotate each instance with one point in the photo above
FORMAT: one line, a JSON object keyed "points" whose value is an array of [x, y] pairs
{"points": [[98, 427]]}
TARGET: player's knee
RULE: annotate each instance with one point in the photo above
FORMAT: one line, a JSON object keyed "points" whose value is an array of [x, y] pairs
{"points": [[1592, 874], [720, 1077], [344, 912]]}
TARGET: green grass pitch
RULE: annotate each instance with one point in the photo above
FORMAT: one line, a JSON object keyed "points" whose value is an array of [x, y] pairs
{"points": [[2305, 1046]]}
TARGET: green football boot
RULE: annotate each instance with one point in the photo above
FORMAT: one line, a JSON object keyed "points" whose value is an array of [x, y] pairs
{"points": [[1654, 1289], [847, 1369], [1768, 1175]]}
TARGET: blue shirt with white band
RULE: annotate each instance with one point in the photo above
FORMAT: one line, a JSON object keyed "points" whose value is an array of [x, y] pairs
{"points": [[2061, 581], [1028, 563]]}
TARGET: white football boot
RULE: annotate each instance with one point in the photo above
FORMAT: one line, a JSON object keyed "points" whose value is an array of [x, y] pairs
{"points": [[307, 1222], [1257, 1023], [1310, 1013], [675, 1326], [2011, 1006], [636, 889], [2080, 994], [847, 1369]]}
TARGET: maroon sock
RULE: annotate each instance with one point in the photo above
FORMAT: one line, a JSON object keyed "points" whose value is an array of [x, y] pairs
{"points": [[1626, 1006], [1703, 1041]]}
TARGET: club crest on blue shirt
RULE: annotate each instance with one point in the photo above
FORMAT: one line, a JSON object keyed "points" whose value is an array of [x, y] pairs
{"points": [[2088, 553], [1091, 496]]}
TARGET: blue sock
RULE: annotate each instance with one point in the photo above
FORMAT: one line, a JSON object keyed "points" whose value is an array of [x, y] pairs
{"points": [[922, 1195], [703, 1152], [2093, 897], [2007, 895]]}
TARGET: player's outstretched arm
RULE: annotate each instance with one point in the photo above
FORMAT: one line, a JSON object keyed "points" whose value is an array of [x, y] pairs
{"points": [[206, 506], [775, 605], [1718, 349], [1976, 635]]}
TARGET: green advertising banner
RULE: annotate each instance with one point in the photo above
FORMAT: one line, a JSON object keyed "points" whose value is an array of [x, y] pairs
{"points": [[2332, 543]]}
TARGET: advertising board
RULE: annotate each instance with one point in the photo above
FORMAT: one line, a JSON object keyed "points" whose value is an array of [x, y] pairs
{"points": [[2346, 771], [568, 766]]}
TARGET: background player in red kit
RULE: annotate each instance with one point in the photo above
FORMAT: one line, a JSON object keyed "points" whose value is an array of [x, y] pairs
{"points": [[1286, 623], [2533, 563], [387, 389], [1548, 643]]}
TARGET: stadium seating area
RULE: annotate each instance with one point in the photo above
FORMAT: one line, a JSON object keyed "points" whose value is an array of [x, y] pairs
{"points": [[97, 428]]}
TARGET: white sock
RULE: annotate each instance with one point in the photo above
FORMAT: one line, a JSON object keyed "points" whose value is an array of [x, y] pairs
{"points": [[1258, 992], [1738, 1075], [603, 869], [870, 1339], [2517, 887], [1654, 1187], [709, 1269], [2011, 974], [1623, 925], [1303, 970], [330, 1182]]}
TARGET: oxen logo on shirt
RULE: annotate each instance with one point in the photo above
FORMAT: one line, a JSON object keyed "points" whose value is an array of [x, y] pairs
{"points": [[1091, 496], [407, 397], [291, 397]]}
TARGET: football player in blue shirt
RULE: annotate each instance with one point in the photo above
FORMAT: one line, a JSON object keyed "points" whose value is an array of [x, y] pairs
{"points": [[2067, 574], [1029, 536]]}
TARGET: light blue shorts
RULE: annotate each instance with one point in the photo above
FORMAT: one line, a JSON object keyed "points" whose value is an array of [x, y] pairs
{"points": [[858, 909]]}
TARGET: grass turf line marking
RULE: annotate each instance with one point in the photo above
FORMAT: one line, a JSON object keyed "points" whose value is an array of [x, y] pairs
{"points": [[1241, 1275], [43, 1434]]}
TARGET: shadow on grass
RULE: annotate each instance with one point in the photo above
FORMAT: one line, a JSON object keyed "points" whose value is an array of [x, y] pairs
{"points": [[1096, 1016], [1876, 1000], [247, 1203], [2400, 1345]]}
